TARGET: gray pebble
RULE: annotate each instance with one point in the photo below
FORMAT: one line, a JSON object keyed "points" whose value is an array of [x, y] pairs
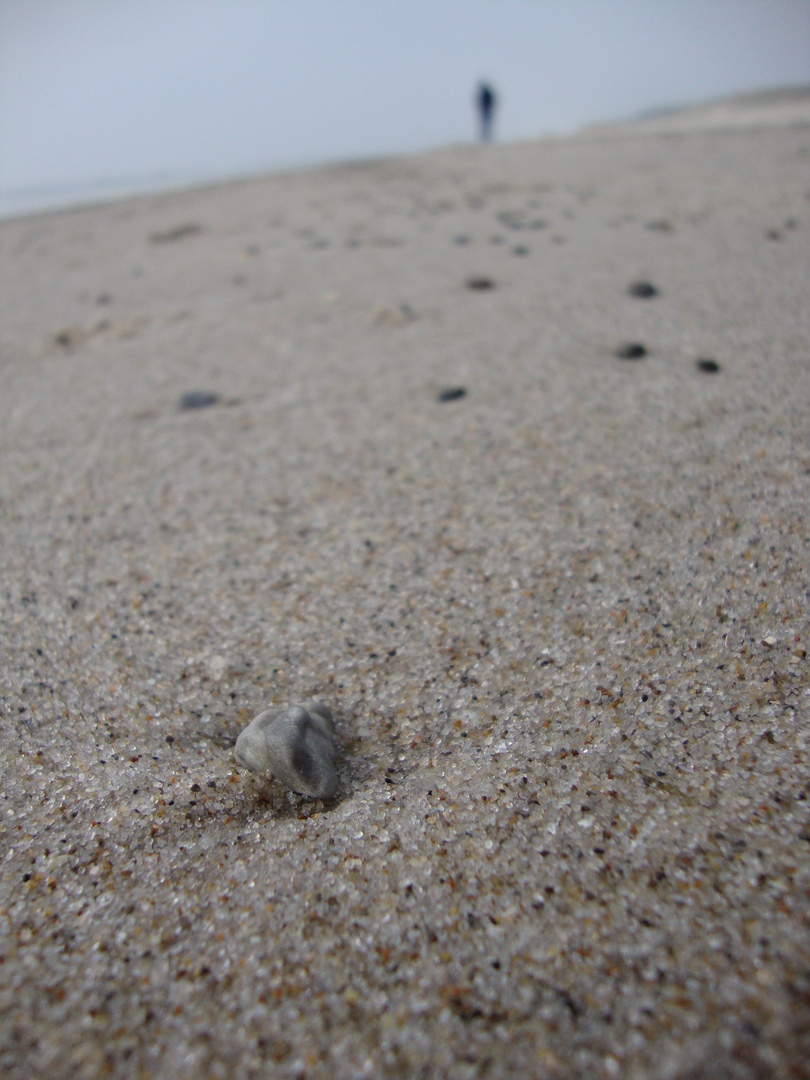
{"points": [[197, 399], [296, 745], [643, 290]]}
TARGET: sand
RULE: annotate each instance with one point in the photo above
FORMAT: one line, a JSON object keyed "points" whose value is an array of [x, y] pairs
{"points": [[561, 619]]}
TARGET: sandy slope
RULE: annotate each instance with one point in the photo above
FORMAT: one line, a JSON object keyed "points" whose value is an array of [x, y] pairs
{"points": [[561, 620]]}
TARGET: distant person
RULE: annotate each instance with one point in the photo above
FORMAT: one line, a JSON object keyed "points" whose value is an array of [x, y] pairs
{"points": [[485, 100]]}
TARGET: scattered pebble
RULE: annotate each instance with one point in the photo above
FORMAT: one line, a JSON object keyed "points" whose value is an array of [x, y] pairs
{"points": [[480, 283], [770, 641], [660, 225], [179, 232], [521, 249], [70, 337], [461, 240], [516, 220], [643, 290], [197, 399], [633, 350], [707, 365], [452, 393], [295, 745]]}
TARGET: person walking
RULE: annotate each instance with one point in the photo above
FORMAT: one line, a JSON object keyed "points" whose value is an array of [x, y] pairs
{"points": [[485, 100]]}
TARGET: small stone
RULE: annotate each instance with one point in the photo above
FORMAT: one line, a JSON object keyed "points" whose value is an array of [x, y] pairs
{"points": [[452, 393], [295, 745], [633, 350], [520, 249], [480, 283], [770, 641], [198, 399], [707, 366], [643, 290], [179, 232]]}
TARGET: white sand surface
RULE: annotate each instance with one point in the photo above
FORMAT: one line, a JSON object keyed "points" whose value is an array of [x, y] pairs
{"points": [[561, 620]]}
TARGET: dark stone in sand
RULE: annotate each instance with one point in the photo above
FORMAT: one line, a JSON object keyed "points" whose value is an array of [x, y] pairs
{"points": [[633, 350], [453, 393], [461, 240], [179, 232], [480, 283], [643, 290], [521, 249], [198, 399], [707, 366]]}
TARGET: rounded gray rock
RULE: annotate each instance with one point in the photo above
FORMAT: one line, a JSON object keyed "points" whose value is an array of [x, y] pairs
{"points": [[296, 745]]}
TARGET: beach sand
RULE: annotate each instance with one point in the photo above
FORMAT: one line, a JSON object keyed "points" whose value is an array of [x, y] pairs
{"points": [[561, 619]]}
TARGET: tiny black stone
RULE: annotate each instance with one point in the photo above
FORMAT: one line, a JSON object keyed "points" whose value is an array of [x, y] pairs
{"points": [[170, 738], [707, 366], [461, 240], [453, 393], [643, 290], [521, 249], [198, 399], [480, 283], [633, 350]]}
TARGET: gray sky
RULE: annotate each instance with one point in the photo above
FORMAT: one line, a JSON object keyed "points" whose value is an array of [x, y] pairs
{"points": [[129, 92]]}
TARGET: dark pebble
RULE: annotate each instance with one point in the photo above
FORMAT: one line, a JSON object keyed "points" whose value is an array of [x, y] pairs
{"points": [[773, 234], [633, 350], [521, 249], [659, 226], [643, 290], [480, 283], [198, 399], [180, 232], [461, 240], [453, 393], [707, 366]]}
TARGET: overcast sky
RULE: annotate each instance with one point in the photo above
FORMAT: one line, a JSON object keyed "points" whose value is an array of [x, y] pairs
{"points": [[134, 92]]}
